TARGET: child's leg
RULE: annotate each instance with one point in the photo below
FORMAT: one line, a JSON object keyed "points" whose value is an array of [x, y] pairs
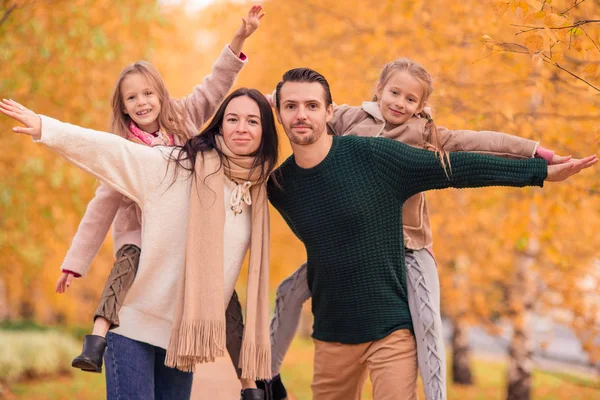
{"points": [[107, 314], [292, 293], [424, 302], [119, 281], [101, 326]]}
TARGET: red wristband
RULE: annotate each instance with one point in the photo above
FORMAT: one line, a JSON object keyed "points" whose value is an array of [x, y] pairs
{"points": [[75, 274], [241, 56]]}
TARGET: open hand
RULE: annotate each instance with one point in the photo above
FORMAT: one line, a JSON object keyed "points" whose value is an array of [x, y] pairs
{"points": [[64, 281], [32, 121], [561, 172], [250, 23]]}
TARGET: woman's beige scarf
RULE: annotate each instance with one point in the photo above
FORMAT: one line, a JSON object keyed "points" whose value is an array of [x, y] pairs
{"points": [[198, 333]]}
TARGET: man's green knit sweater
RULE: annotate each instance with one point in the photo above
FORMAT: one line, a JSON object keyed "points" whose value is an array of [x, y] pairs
{"points": [[347, 212]]}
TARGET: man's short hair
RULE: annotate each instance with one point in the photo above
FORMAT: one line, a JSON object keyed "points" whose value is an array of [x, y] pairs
{"points": [[303, 75]]}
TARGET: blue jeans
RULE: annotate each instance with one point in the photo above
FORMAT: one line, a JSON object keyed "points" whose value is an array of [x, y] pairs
{"points": [[136, 370]]}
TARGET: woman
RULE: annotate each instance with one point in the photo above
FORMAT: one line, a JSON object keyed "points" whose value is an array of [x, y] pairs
{"points": [[196, 233]]}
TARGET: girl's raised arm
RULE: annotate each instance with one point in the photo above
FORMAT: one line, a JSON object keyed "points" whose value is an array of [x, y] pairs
{"points": [[202, 103], [249, 25]]}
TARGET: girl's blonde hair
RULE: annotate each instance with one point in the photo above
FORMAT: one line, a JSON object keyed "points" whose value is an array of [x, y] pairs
{"points": [[420, 74], [167, 119]]}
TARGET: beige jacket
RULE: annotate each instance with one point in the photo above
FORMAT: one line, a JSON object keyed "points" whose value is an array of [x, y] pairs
{"points": [[367, 120], [108, 205]]}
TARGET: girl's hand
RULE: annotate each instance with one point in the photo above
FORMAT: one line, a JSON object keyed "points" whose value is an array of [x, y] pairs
{"points": [[64, 281], [32, 121], [270, 99], [251, 23], [561, 172], [556, 159]]}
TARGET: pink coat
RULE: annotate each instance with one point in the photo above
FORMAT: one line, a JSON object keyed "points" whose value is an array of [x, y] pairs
{"points": [[109, 207]]}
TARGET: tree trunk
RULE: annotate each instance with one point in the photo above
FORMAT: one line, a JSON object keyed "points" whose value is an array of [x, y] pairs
{"points": [[520, 365], [4, 306], [461, 368]]}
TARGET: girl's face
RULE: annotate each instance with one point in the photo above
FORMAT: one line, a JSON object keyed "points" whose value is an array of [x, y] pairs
{"points": [[141, 102], [400, 98], [242, 126]]}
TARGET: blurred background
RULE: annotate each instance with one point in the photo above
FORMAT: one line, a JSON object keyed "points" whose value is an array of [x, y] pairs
{"points": [[519, 268]]}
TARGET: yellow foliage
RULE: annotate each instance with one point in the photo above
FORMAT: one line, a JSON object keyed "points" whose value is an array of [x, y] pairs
{"points": [[77, 55], [61, 61], [534, 43], [500, 7], [554, 20]]}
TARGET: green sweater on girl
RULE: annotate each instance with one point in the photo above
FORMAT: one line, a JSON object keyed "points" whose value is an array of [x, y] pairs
{"points": [[347, 212]]}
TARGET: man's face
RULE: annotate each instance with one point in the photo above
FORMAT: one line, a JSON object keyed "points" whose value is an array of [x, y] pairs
{"points": [[302, 111]]}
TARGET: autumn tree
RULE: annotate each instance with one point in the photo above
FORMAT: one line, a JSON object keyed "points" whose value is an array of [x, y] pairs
{"points": [[60, 58], [561, 38], [480, 235]]}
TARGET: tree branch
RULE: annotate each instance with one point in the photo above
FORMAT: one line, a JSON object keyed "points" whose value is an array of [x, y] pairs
{"points": [[592, 40], [7, 13], [572, 7], [537, 28], [579, 62], [572, 74]]}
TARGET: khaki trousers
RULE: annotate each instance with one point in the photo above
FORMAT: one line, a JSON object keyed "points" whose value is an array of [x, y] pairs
{"points": [[341, 369]]}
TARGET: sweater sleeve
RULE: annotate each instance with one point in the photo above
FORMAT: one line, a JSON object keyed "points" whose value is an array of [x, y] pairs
{"points": [[408, 171], [92, 230], [487, 142], [131, 169], [206, 97]]}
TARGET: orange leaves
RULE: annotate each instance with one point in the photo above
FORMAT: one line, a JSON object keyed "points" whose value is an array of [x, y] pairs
{"points": [[534, 43], [591, 71], [554, 20], [520, 8], [500, 7], [554, 33], [536, 5]]}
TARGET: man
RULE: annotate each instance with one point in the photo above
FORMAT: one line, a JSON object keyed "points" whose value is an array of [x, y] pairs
{"points": [[342, 197]]}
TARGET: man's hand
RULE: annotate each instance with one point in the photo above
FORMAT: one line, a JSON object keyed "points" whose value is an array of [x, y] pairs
{"points": [[561, 172]]}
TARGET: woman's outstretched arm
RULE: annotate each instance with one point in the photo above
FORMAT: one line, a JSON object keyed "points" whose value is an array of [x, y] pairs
{"points": [[131, 169]]}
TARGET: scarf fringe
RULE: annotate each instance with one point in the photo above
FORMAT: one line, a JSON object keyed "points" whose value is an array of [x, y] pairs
{"points": [[255, 361], [195, 342]]}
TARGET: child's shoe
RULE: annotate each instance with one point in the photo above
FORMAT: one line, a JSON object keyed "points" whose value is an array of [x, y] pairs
{"points": [[274, 389], [90, 358], [252, 394]]}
